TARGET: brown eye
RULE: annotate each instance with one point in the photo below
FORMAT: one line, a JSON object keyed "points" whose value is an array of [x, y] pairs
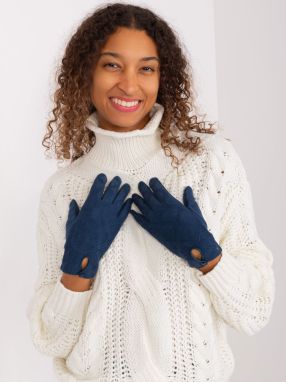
{"points": [[109, 63], [148, 67]]}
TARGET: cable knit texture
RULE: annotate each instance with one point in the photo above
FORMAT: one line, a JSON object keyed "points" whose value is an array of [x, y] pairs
{"points": [[150, 317]]}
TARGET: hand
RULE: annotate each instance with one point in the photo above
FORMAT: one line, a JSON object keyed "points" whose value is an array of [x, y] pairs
{"points": [[91, 230], [180, 227]]}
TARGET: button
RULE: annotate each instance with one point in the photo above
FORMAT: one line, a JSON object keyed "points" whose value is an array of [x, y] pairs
{"points": [[196, 253], [84, 262]]}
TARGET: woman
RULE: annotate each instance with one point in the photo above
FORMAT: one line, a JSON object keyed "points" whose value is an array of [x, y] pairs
{"points": [[142, 291]]}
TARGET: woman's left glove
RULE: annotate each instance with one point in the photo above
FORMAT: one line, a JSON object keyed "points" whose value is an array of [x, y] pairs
{"points": [[179, 227]]}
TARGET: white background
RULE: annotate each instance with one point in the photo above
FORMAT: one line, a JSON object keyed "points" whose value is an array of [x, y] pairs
{"points": [[237, 49], [251, 81]]}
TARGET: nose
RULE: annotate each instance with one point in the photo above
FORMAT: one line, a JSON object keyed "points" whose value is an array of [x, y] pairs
{"points": [[128, 83]]}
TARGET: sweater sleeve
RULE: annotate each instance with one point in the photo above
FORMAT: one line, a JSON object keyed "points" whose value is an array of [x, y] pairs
{"points": [[56, 314], [242, 284]]}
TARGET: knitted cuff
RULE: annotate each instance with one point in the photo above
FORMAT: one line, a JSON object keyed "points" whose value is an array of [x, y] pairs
{"points": [[227, 272], [66, 302]]}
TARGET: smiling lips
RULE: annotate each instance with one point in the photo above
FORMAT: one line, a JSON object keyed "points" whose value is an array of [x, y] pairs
{"points": [[126, 99], [122, 105]]}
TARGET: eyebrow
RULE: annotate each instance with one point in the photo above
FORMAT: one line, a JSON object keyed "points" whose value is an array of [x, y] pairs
{"points": [[114, 54]]}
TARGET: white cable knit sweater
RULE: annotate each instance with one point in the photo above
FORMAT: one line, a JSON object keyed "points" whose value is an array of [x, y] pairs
{"points": [[150, 317]]}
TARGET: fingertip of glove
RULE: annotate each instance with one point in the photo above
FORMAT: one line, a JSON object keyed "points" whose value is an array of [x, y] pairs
{"points": [[127, 186], [101, 177], [153, 181]]}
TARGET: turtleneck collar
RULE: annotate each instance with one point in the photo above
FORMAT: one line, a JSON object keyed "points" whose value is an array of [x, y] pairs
{"points": [[125, 150]]}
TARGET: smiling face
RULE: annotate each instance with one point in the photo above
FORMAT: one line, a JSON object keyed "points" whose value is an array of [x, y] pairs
{"points": [[130, 71]]}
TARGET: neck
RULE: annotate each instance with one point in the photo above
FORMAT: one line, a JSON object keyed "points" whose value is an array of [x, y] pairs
{"points": [[126, 150]]}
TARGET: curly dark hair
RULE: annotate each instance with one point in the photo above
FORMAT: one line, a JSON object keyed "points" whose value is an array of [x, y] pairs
{"points": [[74, 76]]}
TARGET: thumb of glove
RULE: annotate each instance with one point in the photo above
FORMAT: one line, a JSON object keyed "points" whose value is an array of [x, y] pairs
{"points": [[190, 202], [72, 215]]}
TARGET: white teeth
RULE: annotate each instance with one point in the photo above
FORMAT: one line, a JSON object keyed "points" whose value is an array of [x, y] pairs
{"points": [[123, 103]]}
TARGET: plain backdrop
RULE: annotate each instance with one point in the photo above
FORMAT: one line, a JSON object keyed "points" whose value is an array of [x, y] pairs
{"points": [[237, 50]]}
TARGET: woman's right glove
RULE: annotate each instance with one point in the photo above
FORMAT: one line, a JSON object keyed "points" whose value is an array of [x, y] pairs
{"points": [[91, 230]]}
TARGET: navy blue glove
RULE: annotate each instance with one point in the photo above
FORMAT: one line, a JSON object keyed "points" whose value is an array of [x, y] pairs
{"points": [[91, 230], [179, 227]]}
